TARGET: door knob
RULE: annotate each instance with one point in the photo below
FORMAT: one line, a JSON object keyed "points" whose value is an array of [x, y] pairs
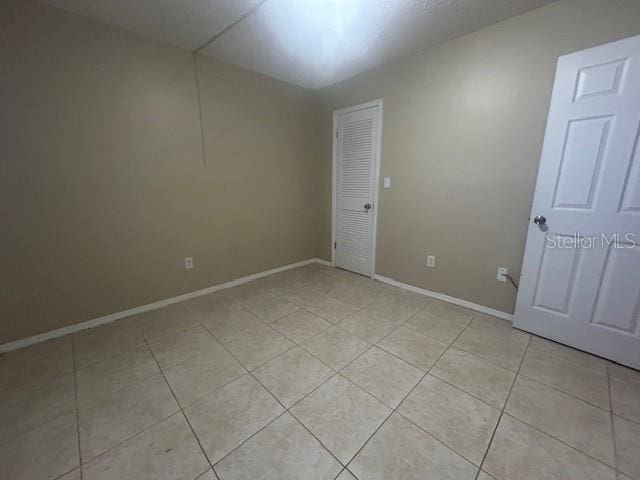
{"points": [[539, 220], [367, 206]]}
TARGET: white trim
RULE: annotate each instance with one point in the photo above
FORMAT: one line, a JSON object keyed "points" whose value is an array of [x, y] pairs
{"points": [[376, 190], [441, 296], [334, 153], [361, 106], [25, 342]]}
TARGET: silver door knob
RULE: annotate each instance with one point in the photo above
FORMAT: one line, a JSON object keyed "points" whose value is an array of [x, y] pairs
{"points": [[367, 206], [539, 220]]}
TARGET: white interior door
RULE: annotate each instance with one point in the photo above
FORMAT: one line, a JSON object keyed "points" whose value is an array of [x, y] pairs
{"points": [[577, 286], [356, 162]]}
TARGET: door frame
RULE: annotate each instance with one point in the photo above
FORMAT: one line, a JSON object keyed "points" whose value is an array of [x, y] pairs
{"points": [[334, 159]]}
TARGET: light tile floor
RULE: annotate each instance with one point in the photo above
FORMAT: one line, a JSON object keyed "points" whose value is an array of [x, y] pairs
{"points": [[315, 373]]}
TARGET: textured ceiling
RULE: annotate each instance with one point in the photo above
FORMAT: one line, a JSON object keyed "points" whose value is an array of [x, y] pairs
{"points": [[311, 43]]}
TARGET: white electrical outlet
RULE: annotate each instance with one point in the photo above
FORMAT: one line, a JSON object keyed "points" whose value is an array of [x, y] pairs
{"points": [[188, 263], [502, 274], [431, 261]]}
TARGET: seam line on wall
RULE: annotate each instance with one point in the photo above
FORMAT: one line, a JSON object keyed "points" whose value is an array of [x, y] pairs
{"points": [[231, 26], [198, 97]]}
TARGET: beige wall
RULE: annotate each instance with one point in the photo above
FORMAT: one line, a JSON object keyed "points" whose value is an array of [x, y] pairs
{"points": [[103, 190], [463, 130]]}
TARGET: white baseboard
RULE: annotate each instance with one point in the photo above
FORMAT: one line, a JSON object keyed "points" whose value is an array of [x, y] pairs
{"points": [[25, 342], [447, 298]]}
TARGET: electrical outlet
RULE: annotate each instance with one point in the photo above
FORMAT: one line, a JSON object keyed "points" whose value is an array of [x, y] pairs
{"points": [[431, 261], [188, 263], [502, 274]]}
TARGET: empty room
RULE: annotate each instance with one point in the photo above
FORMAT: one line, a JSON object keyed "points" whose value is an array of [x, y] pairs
{"points": [[320, 240]]}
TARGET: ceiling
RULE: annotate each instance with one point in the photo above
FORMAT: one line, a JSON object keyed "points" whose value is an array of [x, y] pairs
{"points": [[311, 43]]}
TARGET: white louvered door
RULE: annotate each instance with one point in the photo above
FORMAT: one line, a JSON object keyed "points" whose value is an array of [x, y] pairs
{"points": [[356, 167], [580, 281]]}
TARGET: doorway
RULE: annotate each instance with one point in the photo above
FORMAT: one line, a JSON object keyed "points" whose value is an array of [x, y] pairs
{"points": [[356, 164]]}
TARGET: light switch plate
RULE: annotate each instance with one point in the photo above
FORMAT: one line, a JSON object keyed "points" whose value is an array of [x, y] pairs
{"points": [[387, 182]]}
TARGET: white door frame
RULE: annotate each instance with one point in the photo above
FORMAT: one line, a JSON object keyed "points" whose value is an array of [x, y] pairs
{"points": [[373, 103]]}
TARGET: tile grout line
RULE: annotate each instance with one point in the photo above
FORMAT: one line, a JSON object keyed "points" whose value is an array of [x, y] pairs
{"points": [[484, 360], [247, 439], [193, 402], [120, 442], [556, 389], [559, 440], [518, 373], [403, 399], [300, 308], [181, 410], [75, 394], [478, 357], [112, 356], [299, 344], [231, 353], [250, 372], [392, 410], [336, 372], [385, 336], [287, 410], [395, 410], [238, 360], [370, 345], [190, 356], [469, 393], [502, 410], [437, 439], [449, 345], [611, 419], [635, 422], [5, 443], [145, 343], [201, 476]]}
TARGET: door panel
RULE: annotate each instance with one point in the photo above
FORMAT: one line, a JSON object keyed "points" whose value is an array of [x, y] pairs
{"points": [[619, 291], [356, 167], [602, 79], [556, 277], [630, 203], [585, 145], [580, 281]]}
